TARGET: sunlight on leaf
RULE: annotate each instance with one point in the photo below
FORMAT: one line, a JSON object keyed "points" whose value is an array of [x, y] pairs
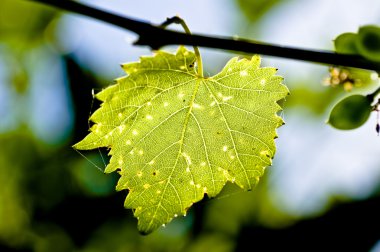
{"points": [[175, 136]]}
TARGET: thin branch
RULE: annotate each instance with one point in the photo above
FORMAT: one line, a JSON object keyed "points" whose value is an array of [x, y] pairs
{"points": [[156, 37]]}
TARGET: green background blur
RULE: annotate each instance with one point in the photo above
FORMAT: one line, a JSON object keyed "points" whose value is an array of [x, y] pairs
{"points": [[52, 198]]}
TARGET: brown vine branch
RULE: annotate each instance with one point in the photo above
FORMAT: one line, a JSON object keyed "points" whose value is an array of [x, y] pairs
{"points": [[156, 37]]}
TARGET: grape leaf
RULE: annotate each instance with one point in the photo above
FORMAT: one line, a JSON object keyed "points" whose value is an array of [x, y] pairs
{"points": [[175, 136]]}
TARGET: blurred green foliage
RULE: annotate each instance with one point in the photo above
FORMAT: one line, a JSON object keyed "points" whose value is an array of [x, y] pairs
{"points": [[93, 181], [22, 23], [31, 181], [253, 10], [53, 199], [22, 28], [16, 153]]}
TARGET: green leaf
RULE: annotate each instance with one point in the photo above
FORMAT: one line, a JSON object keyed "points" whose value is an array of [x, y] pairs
{"points": [[175, 136], [256, 9], [368, 42], [351, 112], [346, 43]]}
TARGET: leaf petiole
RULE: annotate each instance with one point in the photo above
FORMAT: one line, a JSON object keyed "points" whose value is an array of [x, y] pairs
{"points": [[178, 20]]}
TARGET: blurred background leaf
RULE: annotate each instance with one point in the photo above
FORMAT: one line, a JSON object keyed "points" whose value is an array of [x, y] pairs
{"points": [[253, 10]]}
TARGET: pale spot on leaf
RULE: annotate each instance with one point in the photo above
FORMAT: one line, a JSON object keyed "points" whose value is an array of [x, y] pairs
{"points": [[243, 73], [197, 106], [149, 117], [146, 186], [226, 98], [264, 153], [181, 95], [187, 158], [121, 128]]}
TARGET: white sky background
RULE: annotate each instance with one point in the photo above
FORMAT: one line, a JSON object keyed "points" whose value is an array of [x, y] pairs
{"points": [[313, 160], [113, 44]]}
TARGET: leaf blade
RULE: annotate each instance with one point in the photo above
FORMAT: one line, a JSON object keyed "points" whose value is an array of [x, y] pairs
{"points": [[176, 137]]}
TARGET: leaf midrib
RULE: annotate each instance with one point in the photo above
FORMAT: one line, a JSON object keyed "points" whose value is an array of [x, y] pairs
{"points": [[179, 154]]}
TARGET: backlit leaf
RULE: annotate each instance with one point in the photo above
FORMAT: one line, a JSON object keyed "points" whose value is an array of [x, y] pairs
{"points": [[175, 136]]}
